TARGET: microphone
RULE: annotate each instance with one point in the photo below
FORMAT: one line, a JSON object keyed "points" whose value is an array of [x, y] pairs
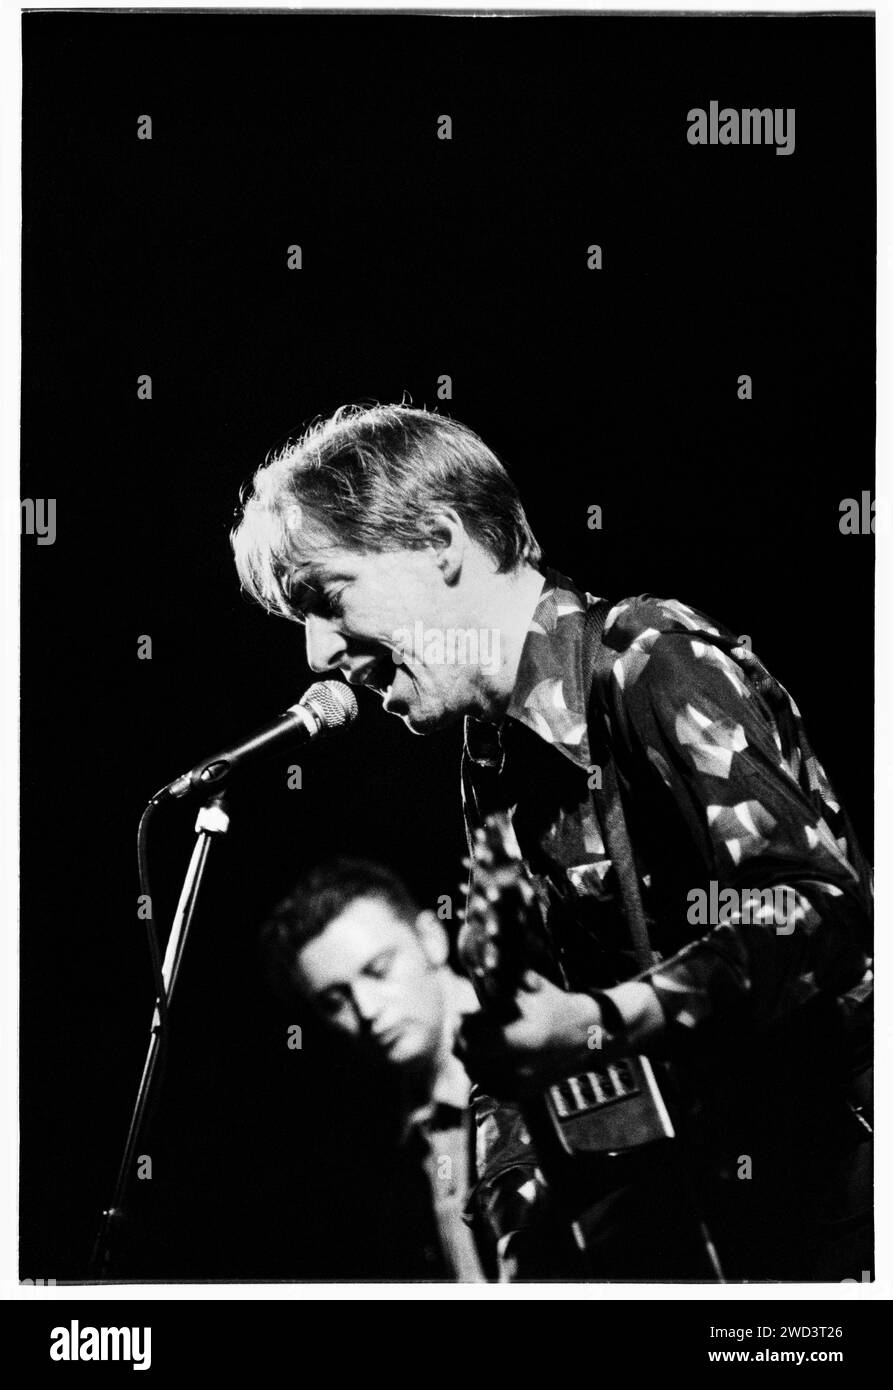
{"points": [[323, 709]]}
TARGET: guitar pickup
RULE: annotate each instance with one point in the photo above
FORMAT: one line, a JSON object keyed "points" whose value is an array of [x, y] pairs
{"points": [[614, 1108], [592, 1089]]}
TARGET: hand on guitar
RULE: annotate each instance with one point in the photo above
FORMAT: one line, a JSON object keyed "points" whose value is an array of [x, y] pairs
{"points": [[553, 1035]]}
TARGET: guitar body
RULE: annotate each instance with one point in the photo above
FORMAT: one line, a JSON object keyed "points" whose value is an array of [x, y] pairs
{"points": [[614, 1107]]}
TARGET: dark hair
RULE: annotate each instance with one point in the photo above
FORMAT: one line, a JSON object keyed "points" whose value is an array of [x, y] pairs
{"points": [[315, 901], [370, 478]]}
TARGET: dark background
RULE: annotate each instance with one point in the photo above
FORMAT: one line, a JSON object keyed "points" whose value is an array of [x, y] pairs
{"points": [[421, 257]]}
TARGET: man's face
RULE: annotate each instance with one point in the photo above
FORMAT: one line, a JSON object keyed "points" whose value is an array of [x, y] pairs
{"points": [[376, 977], [358, 608]]}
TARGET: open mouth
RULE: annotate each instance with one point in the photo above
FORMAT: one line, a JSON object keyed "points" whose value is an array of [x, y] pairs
{"points": [[380, 677]]}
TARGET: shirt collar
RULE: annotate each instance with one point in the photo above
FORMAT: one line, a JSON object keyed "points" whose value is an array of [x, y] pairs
{"points": [[550, 694]]}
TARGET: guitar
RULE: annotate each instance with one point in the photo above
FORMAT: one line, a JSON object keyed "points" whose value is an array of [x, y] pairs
{"points": [[616, 1105]]}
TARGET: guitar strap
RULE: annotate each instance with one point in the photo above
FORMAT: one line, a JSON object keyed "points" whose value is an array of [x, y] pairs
{"points": [[598, 660]]}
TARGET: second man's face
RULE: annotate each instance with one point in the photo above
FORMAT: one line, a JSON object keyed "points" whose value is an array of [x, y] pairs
{"points": [[375, 977]]}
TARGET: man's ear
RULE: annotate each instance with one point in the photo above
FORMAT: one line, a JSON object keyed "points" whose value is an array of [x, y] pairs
{"points": [[432, 935], [449, 538]]}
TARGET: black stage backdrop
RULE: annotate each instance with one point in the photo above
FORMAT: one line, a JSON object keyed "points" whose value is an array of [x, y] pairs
{"points": [[421, 258]]}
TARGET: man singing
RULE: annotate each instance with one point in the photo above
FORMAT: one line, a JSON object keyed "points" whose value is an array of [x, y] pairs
{"points": [[712, 911]]}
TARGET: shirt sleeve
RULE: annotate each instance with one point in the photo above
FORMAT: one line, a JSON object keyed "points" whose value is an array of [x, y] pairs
{"points": [[781, 914]]}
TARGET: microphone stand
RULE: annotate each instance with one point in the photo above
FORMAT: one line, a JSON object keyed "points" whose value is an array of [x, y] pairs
{"points": [[211, 823]]}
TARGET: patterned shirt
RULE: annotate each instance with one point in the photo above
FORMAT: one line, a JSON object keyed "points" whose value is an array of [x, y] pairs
{"points": [[756, 893], [758, 903]]}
